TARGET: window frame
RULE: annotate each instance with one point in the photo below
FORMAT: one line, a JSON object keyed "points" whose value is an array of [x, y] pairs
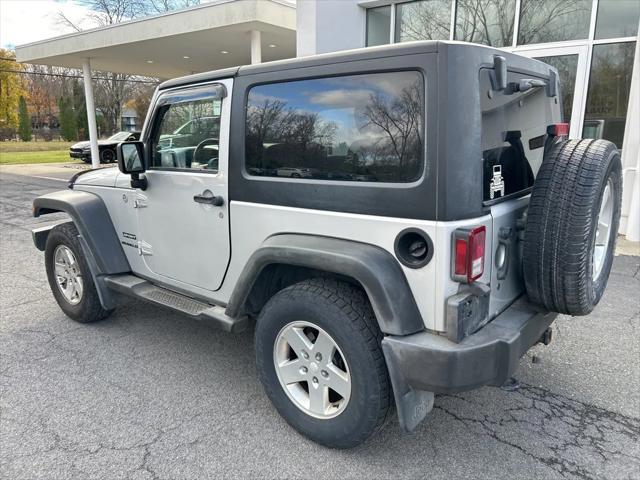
{"points": [[199, 91], [423, 150]]}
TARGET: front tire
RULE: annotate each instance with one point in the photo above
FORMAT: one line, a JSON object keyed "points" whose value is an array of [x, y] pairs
{"points": [[69, 276], [320, 361]]}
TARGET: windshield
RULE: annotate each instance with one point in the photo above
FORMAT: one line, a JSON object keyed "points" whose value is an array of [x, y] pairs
{"points": [[120, 136], [196, 125]]}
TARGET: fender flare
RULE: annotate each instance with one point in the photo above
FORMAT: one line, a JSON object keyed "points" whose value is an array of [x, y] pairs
{"points": [[374, 268], [94, 224]]}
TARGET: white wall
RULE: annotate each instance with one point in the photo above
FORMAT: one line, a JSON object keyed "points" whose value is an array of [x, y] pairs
{"points": [[329, 25]]}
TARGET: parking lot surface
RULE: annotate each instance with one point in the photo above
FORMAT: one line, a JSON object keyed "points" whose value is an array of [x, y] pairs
{"points": [[147, 394]]}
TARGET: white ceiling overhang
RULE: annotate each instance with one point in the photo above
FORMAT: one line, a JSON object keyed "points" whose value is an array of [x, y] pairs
{"points": [[176, 43]]}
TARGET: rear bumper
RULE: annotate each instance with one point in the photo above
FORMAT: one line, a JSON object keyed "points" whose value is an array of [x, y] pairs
{"points": [[425, 362]]}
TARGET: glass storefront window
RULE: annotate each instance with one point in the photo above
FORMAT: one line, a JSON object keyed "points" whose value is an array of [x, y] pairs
{"points": [[567, 66], [423, 20], [378, 26], [543, 21], [608, 92], [489, 22], [617, 18]]}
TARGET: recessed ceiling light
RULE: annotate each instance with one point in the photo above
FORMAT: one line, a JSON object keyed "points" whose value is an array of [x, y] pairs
{"points": [[224, 52], [272, 45], [149, 61], [186, 57]]}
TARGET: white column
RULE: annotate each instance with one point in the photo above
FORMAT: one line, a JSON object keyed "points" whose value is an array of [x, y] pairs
{"points": [[630, 219], [91, 113], [256, 47]]}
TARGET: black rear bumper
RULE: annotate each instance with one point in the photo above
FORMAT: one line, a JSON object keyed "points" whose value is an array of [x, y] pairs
{"points": [[424, 362]]}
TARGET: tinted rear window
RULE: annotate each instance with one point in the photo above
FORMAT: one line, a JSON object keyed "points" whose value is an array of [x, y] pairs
{"points": [[513, 133], [366, 128]]}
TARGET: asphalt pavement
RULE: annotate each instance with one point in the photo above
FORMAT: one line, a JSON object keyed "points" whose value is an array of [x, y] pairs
{"points": [[147, 394]]}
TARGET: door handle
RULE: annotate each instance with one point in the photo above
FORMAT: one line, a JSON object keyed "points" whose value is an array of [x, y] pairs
{"points": [[215, 200]]}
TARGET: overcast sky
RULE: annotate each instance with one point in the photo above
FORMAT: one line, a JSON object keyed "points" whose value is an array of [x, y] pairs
{"points": [[25, 21]]}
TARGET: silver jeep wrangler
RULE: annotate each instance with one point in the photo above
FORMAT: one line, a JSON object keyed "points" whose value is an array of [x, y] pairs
{"points": [[397, 222]]}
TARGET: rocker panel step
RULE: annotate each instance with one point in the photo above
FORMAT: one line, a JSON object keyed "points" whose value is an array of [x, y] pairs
{"points": [[145, 290]]}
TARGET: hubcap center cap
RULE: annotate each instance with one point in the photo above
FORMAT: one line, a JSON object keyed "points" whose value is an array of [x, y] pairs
{"points": [[314, 367]]}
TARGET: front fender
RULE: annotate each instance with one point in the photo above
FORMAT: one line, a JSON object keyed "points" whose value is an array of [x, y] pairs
{"points": [[374, 268], [93, 222]]}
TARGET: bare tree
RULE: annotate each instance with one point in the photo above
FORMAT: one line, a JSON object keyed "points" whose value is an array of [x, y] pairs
{"points": [[399, 117], [112, 89]]}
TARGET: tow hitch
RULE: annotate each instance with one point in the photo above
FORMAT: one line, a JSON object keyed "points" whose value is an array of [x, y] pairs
{"points": [[546, 337]]}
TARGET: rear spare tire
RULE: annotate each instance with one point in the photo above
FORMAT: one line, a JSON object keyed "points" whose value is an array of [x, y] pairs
{"points": [[572, 225]]}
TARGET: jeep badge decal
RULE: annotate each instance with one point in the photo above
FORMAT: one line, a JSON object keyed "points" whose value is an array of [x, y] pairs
{"points": [[497, 182]]}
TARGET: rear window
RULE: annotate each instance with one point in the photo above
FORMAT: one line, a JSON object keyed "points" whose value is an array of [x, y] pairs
{"points": [[513, 134], [359, 128]]}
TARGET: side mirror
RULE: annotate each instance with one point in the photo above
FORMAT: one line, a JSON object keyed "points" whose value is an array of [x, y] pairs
{"points": [[131, 161]]}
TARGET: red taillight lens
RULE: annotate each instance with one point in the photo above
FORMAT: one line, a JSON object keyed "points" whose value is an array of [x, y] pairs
{"points": [[476, 253], [468, 263], [558, 130], [461, 257]]}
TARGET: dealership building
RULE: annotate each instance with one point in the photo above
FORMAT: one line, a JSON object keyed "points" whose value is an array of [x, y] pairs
{"points": [[592, 43]]}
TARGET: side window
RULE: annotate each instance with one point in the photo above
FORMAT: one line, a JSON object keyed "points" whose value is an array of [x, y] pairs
{"points": [[186, 135], [361, 128]]}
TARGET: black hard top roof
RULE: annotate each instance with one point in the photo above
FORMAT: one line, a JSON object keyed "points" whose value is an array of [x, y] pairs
{"points": [[393, 50], [408, 48]]}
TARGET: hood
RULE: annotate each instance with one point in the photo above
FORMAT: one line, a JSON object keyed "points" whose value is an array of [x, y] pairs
{"points": [[87, 144], [81, 145], [103, 177]]}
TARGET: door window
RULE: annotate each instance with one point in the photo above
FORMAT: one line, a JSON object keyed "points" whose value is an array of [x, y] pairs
{"points": [[187, 135], [608, 94]]}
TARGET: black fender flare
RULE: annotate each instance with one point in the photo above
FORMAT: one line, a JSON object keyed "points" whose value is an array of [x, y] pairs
{"points": [[94, 224], [374, 268]]}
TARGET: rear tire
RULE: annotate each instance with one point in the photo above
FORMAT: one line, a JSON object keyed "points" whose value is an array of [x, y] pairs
{"points": [[340, 313], [568, 249], [107, 156], [85, 306]]}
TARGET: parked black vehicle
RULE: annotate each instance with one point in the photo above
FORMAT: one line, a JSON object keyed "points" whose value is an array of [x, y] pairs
{"points": [[106, 147]]}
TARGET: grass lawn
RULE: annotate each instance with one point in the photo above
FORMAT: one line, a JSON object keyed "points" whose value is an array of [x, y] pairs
{"points": [[34, 152], [34, 146]]}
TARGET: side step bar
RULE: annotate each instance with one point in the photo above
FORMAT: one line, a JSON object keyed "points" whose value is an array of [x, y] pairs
{"points": [[140, 288]]}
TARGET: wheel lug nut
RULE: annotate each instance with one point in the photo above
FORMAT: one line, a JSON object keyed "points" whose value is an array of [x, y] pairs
{"points": [[303, 370], [305, 355], [315, 380], [319, 356], [324, 373]]}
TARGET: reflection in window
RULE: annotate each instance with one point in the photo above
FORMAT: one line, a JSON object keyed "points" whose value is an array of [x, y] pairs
{"points": [[617, 18], [378, 26], [187, 135], [489, 22], [423, 20], [567, 66], [544, 21], [608, 93], [365, 128]]}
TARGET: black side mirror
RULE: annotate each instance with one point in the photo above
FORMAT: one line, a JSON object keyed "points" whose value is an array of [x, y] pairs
{"points": [[131, 161]]}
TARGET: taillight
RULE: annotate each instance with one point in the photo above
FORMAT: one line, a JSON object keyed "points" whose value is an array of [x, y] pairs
{"points": [[468, 246], [558, 130]]}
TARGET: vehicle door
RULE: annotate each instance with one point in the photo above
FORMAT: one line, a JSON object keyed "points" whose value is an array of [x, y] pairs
{"points": [[183, 213]]}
